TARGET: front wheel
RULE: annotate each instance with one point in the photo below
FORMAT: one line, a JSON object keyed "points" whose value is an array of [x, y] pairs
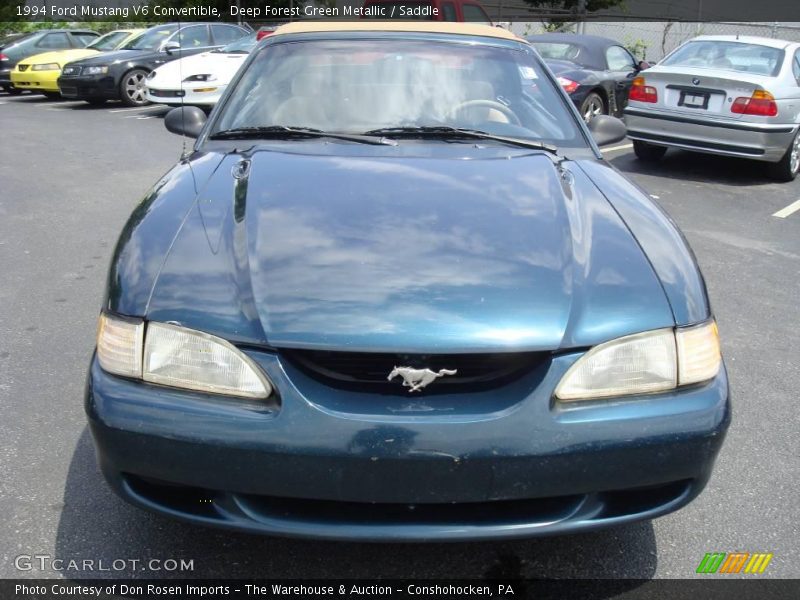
{"points": [[648, 152], [131, 88], [592, 106], [787, 168]]}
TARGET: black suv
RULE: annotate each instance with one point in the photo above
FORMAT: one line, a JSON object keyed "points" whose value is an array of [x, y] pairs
{"points": [[16, 47], [120, 75]]}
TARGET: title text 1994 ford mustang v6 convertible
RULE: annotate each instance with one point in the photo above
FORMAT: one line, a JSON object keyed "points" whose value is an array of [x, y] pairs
{"points": [[419, 307]]}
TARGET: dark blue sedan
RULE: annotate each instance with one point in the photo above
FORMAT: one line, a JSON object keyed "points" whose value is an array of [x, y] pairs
{"points": [[395, 293]]}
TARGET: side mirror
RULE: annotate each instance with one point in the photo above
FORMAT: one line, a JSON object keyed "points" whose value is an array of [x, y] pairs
{"points": [[643, 64], [605, 129], [185, 120], [171, 47]]}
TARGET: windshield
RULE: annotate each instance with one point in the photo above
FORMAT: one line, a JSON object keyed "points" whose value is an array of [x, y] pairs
{"points": [[354, 86], [728, 56], [150, 40], [108, 41], [245, 44]]}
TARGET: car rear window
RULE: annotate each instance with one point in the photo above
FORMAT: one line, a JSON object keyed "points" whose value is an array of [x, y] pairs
{"points": [[727, 56]]}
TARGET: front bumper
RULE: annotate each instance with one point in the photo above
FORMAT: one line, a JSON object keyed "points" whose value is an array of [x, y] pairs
{"points": [[759, 141], [88, 87], [37, 81], [187, 95], [308, 469]]}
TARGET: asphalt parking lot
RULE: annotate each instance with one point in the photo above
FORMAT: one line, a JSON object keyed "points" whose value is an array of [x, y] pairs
{"points": [[72, 173]]}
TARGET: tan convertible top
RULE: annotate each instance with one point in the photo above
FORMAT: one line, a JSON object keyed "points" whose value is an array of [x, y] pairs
{"points": [[407, 26]]}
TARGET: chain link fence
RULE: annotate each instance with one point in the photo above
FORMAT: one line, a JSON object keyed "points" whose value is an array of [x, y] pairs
{"points": [[652, 40]]}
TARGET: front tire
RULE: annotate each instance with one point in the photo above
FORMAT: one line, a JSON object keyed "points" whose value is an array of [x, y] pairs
{"points": [[787, 168], [592, 106], [648, 152], [131, 88]]}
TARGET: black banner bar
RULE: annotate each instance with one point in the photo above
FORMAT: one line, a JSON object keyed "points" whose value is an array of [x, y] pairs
{"points": [[741, 588], [276, 11]]}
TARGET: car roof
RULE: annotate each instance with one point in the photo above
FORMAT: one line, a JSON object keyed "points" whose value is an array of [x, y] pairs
{"points": [[744, 39], [401, 26]]}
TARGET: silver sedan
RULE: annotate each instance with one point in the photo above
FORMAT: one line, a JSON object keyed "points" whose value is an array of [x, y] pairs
{"points": [[724, 94]]}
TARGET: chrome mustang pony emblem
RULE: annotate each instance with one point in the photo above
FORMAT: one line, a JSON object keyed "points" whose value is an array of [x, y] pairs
{"points": [[416, 379]]}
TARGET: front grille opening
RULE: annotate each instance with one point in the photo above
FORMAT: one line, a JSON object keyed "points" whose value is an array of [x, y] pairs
{"points": [[218, 505], [179, 498], [638, 500], [368, 371], [543, 510]]}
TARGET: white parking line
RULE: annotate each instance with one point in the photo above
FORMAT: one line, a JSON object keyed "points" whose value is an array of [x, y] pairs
{"points": [[788, 210], [116, 110], [615, 148], [66, 105]]}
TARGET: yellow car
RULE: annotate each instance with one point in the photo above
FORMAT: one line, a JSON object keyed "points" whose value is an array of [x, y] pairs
{"points": [[40, 73]]}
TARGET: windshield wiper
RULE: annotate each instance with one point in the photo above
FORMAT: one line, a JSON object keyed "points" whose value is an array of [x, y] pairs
{"points": [[445, 132], [288, 132]]}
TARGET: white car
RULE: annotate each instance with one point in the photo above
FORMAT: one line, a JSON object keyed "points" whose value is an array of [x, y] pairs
{"points": [[724, 94], [199, 79]]}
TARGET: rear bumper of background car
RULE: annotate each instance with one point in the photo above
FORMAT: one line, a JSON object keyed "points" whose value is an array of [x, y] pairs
{"points": [[758, 141], [304, 469]]}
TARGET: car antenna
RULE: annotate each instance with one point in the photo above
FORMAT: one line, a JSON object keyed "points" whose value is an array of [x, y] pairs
{"points": [[184, 155]]}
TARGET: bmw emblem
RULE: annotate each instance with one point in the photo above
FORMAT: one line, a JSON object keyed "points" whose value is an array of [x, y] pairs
{"points": [[695, 81]]}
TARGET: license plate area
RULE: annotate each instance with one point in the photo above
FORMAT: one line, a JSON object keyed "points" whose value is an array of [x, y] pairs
{"points": [[694, 100]]}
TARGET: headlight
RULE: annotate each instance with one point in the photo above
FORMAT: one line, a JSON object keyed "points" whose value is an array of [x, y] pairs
{"points": [[178, 357], [46, 67], [95, 70], [654, 361], [201, 77]]}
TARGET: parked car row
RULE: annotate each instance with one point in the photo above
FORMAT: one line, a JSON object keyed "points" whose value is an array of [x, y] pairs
{"points": [[82, 65], [40, 73], [730, 95], [15, 47]]}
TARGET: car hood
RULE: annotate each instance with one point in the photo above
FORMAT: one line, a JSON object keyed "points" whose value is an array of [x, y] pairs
{"points": [[222, 65], [61, 57], [407, 254], [114, 56]]}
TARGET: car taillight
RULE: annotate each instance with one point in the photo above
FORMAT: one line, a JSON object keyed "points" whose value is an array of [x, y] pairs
{"points": [[568, 85], [3, 57], [641, 92], [761, 103], [260, 35]]}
